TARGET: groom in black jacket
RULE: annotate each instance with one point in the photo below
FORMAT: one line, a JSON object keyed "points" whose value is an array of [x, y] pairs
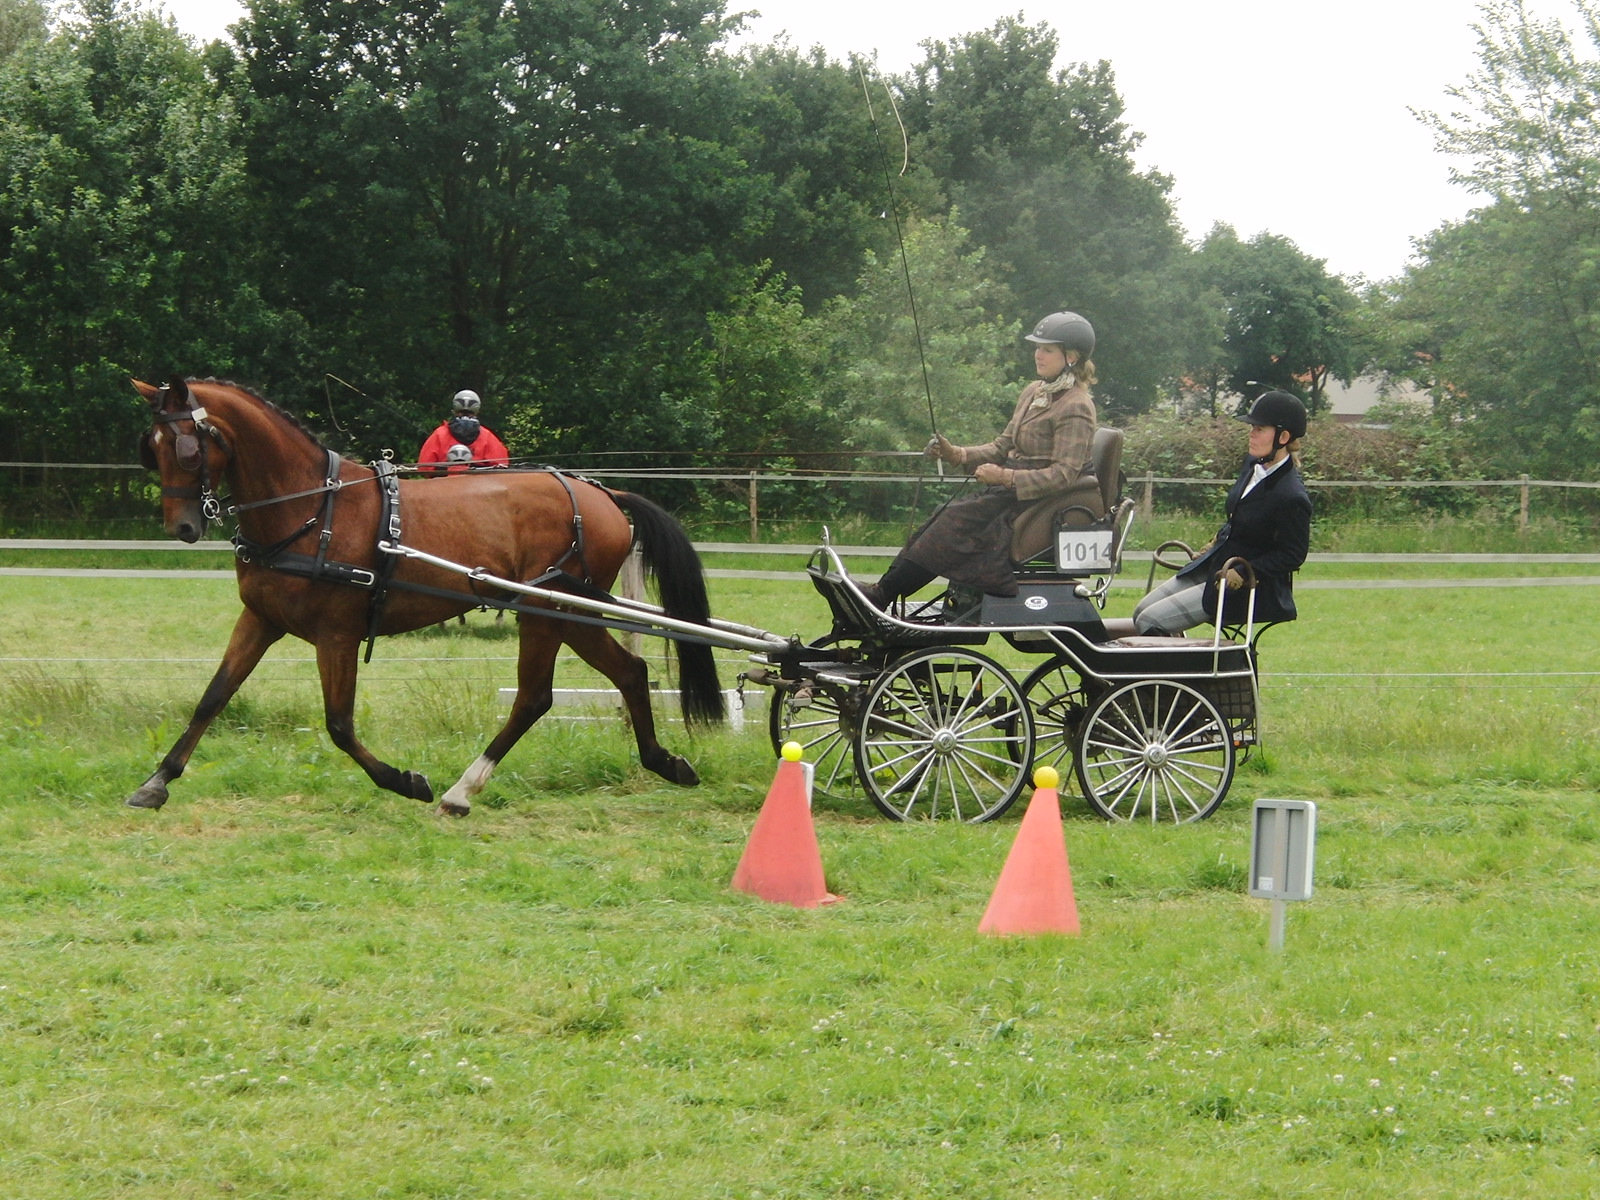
{"points": [[1268, 525]]}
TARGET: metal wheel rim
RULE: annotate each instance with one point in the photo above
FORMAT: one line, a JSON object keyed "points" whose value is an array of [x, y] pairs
{"points": [[944, 734], [819, 727], [1155, 751]]}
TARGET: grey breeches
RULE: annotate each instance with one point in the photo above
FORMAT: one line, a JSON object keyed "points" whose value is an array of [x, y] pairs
{"points": [[1177, 605]]}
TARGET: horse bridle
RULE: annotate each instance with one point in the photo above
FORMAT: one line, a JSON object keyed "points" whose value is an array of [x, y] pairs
{"points": [[190, 454]]}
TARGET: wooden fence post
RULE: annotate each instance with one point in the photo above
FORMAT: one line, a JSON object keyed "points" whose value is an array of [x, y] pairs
{"points": [[755, 522], [1522, 514], [1147, 506]]}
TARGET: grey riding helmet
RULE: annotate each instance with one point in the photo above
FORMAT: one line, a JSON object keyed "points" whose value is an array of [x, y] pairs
{"points": [[1281, 410], [1067, 330], [466, 401]]}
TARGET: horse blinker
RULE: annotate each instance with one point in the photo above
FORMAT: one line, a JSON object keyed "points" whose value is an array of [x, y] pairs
{"points": [[186, 448]]}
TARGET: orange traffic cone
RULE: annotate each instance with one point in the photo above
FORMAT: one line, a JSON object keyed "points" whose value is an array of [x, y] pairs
{"points": [[1034, 892], [781, 862]]}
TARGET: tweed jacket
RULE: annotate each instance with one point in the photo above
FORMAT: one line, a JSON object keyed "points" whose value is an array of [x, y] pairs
{"points": [[1046, 445]]}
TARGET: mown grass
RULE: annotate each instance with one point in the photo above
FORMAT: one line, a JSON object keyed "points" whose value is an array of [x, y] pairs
{"points": [[289, 984]]}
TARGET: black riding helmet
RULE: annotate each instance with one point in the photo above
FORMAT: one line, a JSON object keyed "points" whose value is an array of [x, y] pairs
{"points": [[1067, 330], [1280, 410]]}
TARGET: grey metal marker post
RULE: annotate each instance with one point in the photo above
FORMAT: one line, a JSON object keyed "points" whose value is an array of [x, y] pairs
{"points": [[1283, 843]]}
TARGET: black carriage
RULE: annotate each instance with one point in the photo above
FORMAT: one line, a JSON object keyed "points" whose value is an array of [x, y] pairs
{"points": [[908, 707]]}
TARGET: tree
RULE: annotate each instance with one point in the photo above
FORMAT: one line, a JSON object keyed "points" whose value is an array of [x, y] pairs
{"points": [[873, 379], [1289, 322], [124, 244], [1501, 316], [21, 21], [1039, 163], [533, 199], [805, 127]]}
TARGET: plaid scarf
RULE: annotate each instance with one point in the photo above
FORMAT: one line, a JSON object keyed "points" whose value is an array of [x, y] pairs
{"points": [[1054, 387]]}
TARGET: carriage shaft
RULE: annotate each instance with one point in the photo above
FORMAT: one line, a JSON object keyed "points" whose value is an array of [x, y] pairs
{"points": [[720, 633]]}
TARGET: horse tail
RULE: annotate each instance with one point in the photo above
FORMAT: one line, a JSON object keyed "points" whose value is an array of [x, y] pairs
{"points": [[670, 556]]}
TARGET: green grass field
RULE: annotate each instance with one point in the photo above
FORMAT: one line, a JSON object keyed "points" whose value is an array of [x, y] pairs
{"points": [[289, 984]]}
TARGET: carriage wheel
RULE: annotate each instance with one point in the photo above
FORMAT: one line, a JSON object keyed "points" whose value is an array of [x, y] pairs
{"points": [[944, 734], [1156, 751], [809, 715], [1057, 697]]}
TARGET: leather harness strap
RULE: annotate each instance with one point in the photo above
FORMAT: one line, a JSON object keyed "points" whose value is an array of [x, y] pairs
{"points": [[388, 529], [320, 569], [210, 506], [576, 548]]}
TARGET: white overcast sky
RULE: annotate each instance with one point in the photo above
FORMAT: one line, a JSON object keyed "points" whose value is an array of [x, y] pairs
{"points": [[1279, 115]]}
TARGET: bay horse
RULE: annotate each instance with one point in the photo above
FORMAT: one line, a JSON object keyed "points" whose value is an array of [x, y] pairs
{"points": [[308, 564]]}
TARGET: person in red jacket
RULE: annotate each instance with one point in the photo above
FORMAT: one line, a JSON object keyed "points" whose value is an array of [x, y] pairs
{"points": [[462, 442]]}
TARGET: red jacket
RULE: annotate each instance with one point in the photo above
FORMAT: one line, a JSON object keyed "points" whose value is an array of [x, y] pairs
{"points": [[485, 450]]}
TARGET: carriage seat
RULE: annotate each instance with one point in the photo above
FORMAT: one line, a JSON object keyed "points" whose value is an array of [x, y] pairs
{"points": [[1160, 641], [1091, 496]]}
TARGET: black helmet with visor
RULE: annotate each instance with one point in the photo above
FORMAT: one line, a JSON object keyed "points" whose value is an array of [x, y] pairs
{"points": [[1281, 410]]}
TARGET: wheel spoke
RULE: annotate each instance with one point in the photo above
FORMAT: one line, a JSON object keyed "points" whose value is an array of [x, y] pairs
{"points": [[957, 764], [917, 716], [1116, 748], [1189, 771], [967, 760], [947, 769], [988, 721], [914, 779], [1157, 749], [943, 734], [887, 760], [1173, 728], [818, 725], [1135, 781], [934, 693], [960, 704]]}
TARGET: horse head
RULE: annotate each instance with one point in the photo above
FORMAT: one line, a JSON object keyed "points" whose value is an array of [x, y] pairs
{"points": [[189, 454]]}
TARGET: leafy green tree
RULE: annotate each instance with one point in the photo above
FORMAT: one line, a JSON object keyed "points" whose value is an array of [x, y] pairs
{"points": [[821, 132], [1039, 163], [873, 376], [21, 21], [1500, 317], [1500, 320], [124, 244], [1289, 325], [533, 199]]}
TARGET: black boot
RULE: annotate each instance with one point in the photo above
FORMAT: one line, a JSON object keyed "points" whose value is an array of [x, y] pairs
{"points": [[901, 579]]}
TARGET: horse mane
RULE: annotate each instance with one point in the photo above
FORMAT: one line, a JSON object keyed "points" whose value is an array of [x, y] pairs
{"points": [[293, 421]]}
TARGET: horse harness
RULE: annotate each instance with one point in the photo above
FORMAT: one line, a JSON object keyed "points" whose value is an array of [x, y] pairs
{"points": [[319, 568], [190, 455]]}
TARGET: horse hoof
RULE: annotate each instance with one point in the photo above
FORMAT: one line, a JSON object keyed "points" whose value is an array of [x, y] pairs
{"points": [[418, 787], [682, 773], [149, 796], [449, 809]]}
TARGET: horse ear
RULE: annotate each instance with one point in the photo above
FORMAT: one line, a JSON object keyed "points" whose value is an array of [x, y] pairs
{"points": [[151, 393], [178, 390]]}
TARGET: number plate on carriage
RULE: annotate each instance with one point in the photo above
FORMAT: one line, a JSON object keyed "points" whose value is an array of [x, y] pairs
{"points": [[1083, 550]]}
